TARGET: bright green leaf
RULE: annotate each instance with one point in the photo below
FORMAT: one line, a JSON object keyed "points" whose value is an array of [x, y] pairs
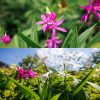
{"points": [[82, 83], [29, 42]]}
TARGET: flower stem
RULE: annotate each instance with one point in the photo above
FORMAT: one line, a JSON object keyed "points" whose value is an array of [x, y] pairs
{"points": [[80, 27], [46, 39]]}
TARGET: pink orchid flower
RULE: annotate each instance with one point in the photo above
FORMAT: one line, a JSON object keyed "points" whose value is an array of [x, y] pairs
{"points": [[56, 27], [96, 9], [31, 74], [5, 39], [49, 22], [93, 7], [20, 73], [26, 73], [53, 42]]}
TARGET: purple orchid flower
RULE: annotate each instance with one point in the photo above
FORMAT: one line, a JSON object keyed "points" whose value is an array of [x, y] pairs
{"points": [[31, 74], [49, 22], [24, 73], [20, 73], [5, 39], [96, 9], [53, 42], [93, 7], [56, 27]]}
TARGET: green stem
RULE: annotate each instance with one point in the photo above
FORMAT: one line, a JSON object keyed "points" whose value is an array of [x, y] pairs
{"points": [[46, 38], [80, 27]]}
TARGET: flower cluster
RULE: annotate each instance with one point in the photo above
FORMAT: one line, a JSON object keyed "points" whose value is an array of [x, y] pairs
{"points": [[26, 73], [5, 39], [93, 7], [50, 24]]}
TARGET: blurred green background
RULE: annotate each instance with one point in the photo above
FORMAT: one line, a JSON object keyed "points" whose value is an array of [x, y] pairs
{"points": [[18, 14]]}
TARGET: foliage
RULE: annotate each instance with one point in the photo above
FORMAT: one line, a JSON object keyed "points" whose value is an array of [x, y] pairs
{"points": [[54, 87], [18, 19], [96, 57]]}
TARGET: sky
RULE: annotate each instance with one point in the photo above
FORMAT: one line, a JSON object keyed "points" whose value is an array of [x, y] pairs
{"points": [[15, 55], [72, 58]]}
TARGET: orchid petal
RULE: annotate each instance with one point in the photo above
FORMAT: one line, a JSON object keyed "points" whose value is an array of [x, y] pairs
{"points": [[84, 18], [90, 2], [61, 29], [97, 14], [55, 46], [44, 27], [50, 44], [60, 22], [40, 22], [53, 33], [96, 2], [87, 8], [59, 41], [44, 18]]}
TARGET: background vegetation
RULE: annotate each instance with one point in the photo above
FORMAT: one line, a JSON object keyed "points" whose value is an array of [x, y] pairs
{"points": [[50, 84], [18, 18]]}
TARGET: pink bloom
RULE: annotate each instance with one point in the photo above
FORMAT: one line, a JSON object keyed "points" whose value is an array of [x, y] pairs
{"points": [[5, 39], [94, 8], [56, 27], [20, 73], [32, 74], [96, 2], [53, 42], [25, 73], [49, 22]]}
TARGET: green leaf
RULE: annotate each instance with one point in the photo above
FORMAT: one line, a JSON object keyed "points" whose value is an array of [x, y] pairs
{"points": [[29, 42], [22, 43], [85, 35], [44, 90], [94, 40], [27, 92], [3, 80], [56, 97], [8, 83], [71, 39], [82, 83], [80, 96], [96, 45], [27, 32], [34, 33], [1, 98]]}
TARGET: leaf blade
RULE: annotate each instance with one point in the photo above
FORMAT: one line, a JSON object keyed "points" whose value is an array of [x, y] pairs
{"points": [[29, 42]]}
